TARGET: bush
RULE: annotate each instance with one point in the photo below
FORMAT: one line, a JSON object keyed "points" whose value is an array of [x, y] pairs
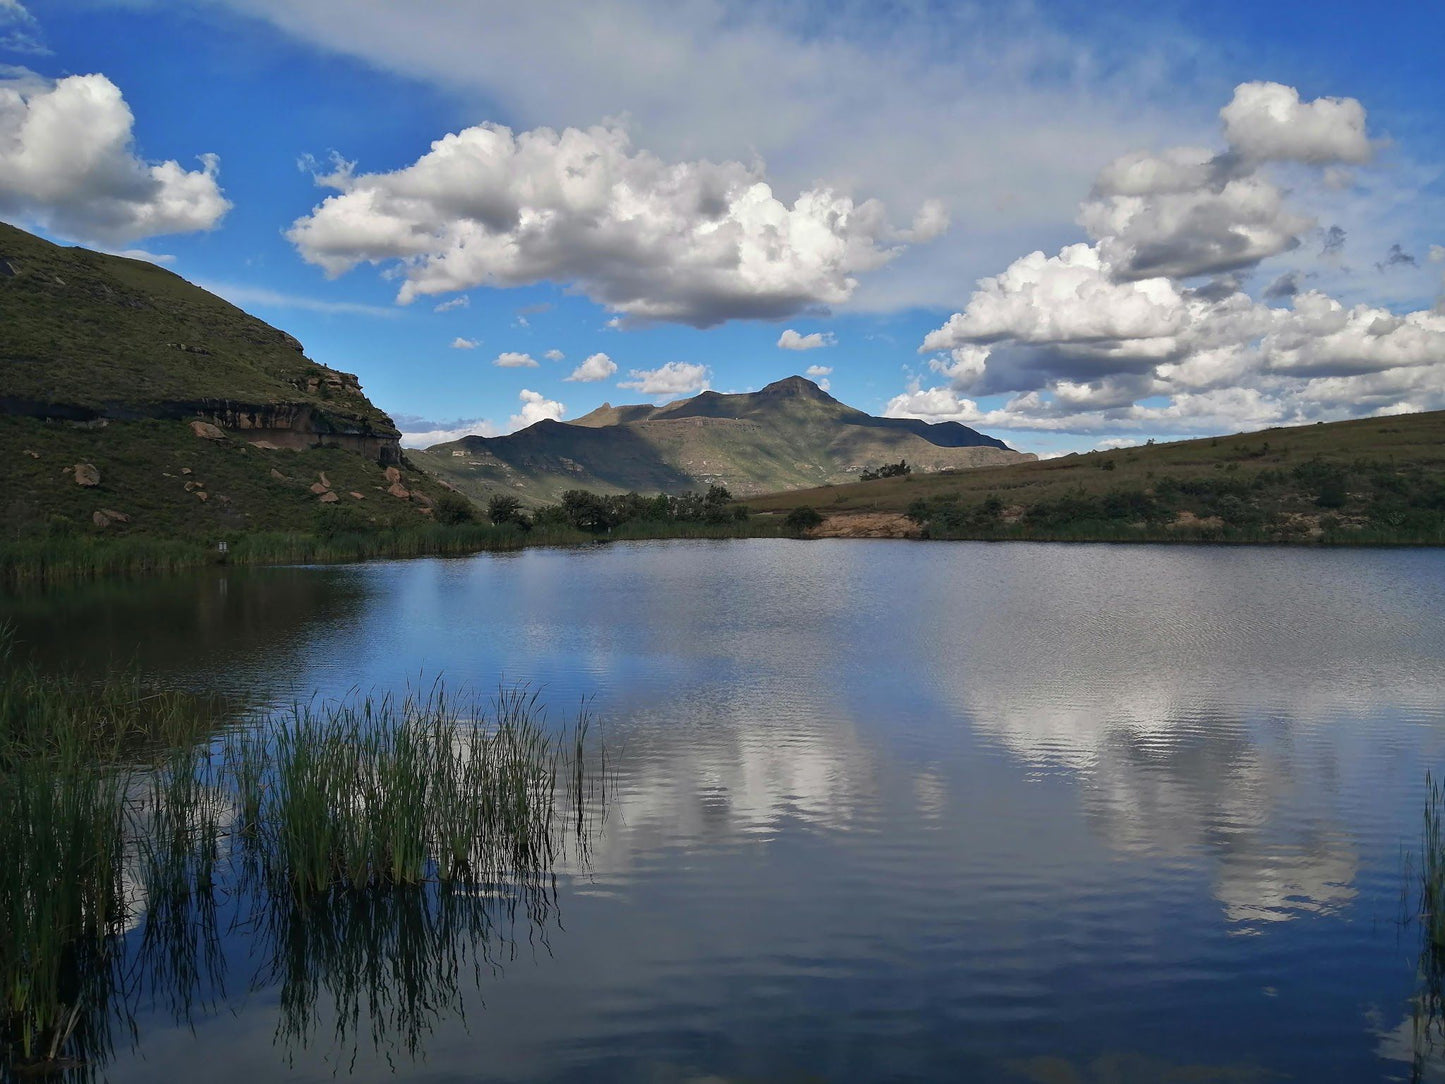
{"points": [[803, 518], [504, 508], [453, 508]]}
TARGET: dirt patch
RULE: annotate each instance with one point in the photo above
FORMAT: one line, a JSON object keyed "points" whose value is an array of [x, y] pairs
{"points": [[866, 525]]}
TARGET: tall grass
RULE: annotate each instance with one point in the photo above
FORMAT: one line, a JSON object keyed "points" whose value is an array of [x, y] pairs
{"points": [[1425, 906], [120, 833]]}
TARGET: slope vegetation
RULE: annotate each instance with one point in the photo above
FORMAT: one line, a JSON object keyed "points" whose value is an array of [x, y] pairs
{"points": [[1368, 480]]}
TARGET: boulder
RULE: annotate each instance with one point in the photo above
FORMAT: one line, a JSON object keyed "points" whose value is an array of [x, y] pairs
{"points": [[325, 481], [327, 497], [318, 488], [264, 445], [114, 516], [202, 495], [185, 470], [191, 487], [207, 431], [357, 495], [32, 455], [396, 489], [86, 474], [393, 475], [276, 474]]}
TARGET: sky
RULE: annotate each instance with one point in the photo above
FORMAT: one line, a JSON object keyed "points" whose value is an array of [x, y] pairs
{"points": [[1070, 225]]}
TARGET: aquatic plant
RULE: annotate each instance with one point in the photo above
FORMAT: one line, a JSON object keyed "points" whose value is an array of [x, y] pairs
{"points": [[405, 819]]}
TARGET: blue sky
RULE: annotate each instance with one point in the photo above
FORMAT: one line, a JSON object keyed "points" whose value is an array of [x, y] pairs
{"points": [[1259, 251]]}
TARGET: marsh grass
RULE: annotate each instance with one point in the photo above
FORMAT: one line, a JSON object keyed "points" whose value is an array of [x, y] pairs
{"points": [[1424, 906], [369, 845]]}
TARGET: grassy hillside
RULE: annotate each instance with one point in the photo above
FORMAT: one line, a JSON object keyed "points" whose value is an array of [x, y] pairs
{"points": [[105, 335], [791, 434], [155, 471], [1375, 479]]}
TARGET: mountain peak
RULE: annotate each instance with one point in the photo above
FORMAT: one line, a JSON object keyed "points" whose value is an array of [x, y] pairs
{"points": [[799, 386]]}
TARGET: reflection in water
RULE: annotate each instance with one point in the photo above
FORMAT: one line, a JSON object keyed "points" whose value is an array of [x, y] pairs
{"points": [[883, 811]]}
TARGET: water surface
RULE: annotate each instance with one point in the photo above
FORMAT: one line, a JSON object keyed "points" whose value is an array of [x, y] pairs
{"points": [[885, 810]]}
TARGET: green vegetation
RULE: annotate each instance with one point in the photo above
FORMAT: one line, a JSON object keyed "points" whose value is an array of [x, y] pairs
{"points": [[789, 434], [900, 469], [1424, 900], [89, 330], [1373, 481], [802, 519], [122, 809]]}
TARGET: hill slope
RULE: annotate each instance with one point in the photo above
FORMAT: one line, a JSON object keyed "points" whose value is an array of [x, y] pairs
{"points": [[1371, 479], [790, 434], [198, 419]]}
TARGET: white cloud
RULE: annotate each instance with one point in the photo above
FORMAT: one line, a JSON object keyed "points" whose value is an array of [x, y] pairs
{"points": [[670, 380], [555, 355], [999, 115], [418, 432], [1268, 122], [511, 360], [19, 32], [1114, 443], [597, 367], [460, 302], [816, 371], [1109, 336], [67, 161], [693, 242], [460, 343], [791, 340], [536, 407]]}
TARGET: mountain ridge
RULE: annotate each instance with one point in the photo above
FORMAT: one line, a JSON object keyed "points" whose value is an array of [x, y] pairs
{"points": [[789, 434]]}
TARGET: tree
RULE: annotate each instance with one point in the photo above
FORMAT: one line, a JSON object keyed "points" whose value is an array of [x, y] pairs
{"points": [[803, 518], [504, 508], [453, 508]]}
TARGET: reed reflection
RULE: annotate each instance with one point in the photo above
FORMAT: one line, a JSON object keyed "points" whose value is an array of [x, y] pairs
{"points": [[371, 860]]}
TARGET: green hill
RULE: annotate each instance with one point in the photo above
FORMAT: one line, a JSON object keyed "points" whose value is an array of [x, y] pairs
{"points": [[1366, 480], [125, 389], [789, 435]]}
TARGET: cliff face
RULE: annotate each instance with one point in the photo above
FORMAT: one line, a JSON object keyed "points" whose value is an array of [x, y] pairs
{"points": [[89, 338]]}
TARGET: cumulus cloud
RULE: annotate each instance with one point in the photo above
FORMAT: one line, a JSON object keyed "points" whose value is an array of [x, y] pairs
{"points": [[1109, 335], [461, 302], [1191, 211], [554, 355], [1334, 241], [67, 161], [419, 432], [670, 380], [1268, 122], [536, 407], [791, 340], [460, 343], [819, 370], [512, 360], [694, 242], [597, 367]]}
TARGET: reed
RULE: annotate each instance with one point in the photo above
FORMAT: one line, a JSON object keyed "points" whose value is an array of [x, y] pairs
{"points": [[125, 817]]}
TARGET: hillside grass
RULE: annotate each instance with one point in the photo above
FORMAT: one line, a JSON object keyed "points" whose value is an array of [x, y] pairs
{"points": [[1368, 481], [97, 331]]}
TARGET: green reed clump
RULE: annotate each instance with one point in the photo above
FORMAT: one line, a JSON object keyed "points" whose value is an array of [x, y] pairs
{"points": [[1425, 906], [121, 811], [392, 792]]}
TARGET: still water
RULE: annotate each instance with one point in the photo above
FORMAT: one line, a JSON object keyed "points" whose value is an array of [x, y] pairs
{"points": [[883, 810]]}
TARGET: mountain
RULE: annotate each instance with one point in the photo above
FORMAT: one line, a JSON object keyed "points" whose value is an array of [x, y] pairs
{"points": [[170, 392], [789, 435]]}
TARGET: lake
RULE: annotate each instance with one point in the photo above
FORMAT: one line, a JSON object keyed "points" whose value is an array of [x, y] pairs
{"points": [[880, 810]]}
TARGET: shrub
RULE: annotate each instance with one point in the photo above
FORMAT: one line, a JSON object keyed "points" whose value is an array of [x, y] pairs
{"points": [[803, 518], [453, 508]]}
